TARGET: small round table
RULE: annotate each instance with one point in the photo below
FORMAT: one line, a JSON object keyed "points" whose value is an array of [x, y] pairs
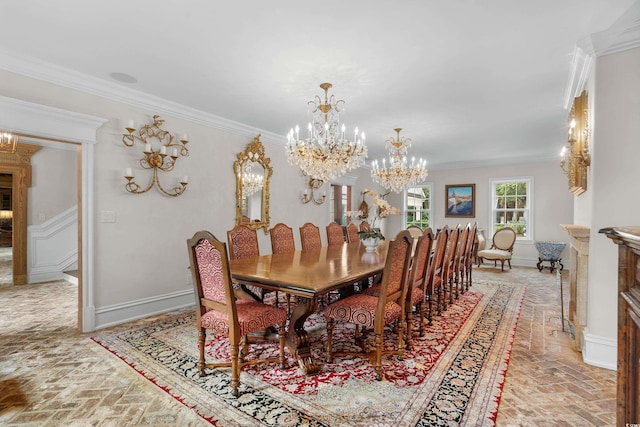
{"points": [[550, 252]]}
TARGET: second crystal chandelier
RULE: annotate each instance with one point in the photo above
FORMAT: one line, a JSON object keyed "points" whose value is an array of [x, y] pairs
{"points": [[326, 153], [399, 173]]}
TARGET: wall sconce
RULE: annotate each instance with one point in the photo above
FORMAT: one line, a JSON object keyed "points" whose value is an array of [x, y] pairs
{"points": [[314, 184], [8, 142], [575, 157], [155, 160]]}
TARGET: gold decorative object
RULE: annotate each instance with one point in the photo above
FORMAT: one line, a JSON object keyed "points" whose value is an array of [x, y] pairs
{"points": [[8, 142], [399, 174], [575, 157], [325, 154], [314, 184], [253, 173], [155, 159]]}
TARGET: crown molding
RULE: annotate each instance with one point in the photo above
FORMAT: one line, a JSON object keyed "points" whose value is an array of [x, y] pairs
{"points": [[51, 73], [623, 35]]}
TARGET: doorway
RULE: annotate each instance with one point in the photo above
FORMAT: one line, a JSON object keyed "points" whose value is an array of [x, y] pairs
{"points": [[6, 229]]}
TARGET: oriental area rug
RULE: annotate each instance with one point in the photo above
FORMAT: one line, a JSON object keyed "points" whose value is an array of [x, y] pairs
{"points": [[451, 376]]}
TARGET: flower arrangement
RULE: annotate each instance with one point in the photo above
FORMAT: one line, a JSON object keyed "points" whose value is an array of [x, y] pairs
{"points": [[384, 209]]}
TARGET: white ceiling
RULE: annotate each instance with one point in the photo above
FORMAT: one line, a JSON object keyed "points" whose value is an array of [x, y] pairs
{"points": [[470, 81]]}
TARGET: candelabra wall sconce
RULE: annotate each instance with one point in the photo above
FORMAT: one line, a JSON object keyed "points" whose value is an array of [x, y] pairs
{"points": [[575, 158], [156, 160], [310, 196]]}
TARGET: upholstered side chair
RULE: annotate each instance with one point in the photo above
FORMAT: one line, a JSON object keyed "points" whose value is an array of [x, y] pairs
{"points": [[218, 311], [375, 312], [282, 239], [501, 248], [335, 236], [243, 243], [310, 237], [352, 233], [434, 286], [417, 293]]}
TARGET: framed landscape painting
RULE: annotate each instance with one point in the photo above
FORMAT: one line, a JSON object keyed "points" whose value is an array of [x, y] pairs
{"points": [[461, 201]]}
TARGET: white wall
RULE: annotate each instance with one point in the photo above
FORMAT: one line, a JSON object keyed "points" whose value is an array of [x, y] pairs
{"points": [[614, 178], [54, 186], [553, 204]]}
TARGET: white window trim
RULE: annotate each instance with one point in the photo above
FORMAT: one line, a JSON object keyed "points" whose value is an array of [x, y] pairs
{"points": [[530, 204], [405, 206]]}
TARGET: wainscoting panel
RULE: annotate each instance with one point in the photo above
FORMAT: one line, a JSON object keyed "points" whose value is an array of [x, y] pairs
{"points": [[53, 247]]}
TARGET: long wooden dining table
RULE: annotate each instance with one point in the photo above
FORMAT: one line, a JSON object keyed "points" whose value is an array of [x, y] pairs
{"points": [[309, 275]]}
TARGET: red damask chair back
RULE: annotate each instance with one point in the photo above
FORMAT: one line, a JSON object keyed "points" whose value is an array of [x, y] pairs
{"points": [[282, 239], [458, 261], [310, 237], [449, 260], [335, 236], [217, 311], [352, 233], [376, 311], [243, 242]]}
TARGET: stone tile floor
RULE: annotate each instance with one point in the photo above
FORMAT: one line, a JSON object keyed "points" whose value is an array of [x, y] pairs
{"points": [[52, 375]]}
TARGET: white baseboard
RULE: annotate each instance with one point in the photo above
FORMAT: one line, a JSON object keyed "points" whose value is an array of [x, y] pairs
{"points": [[133, 310], [600, 351]]}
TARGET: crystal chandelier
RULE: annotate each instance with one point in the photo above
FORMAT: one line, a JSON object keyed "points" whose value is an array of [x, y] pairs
{"points": [[251, 182], [325, 154], [398, 174]]}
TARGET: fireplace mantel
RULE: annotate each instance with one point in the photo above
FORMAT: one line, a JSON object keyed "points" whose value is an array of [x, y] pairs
{"points": [[578, 280]]}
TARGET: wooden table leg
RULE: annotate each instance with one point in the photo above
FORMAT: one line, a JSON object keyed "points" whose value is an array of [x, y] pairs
{"points": [[298, 339]]}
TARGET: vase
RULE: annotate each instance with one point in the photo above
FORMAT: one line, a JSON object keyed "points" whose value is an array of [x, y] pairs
{"points": [[370, 243]]}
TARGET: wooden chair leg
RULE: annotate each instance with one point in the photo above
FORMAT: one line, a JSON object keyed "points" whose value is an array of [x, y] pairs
{"points": [[201, 340], [329, 353], [235, 370]]}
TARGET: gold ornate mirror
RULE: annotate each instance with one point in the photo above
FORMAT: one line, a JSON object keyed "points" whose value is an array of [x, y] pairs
{"points": [[253, 173]]}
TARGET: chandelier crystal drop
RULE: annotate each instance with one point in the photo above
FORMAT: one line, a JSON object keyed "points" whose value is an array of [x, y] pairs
{"points": [[398, 174], [326, 153]]}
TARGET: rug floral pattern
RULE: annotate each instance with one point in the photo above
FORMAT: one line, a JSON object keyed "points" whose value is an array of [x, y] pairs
{"points": [[452, 376]]}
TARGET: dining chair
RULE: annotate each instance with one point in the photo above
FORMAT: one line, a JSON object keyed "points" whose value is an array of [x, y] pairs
{"points": [[472, 242], [448, 270], [417, 293], [310, 237], [282, 239], [501, 248], [434, 286], [457, 277], [218, 311], [282, 242], [335, 236], [352, 233], [243, 243], [375, 312]]}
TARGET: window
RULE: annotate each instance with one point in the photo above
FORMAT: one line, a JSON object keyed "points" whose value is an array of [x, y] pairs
{"points": [[512, 206], [418, 206]]}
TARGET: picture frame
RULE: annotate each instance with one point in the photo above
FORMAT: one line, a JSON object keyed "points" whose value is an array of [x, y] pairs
{"points": [[460, 201]]}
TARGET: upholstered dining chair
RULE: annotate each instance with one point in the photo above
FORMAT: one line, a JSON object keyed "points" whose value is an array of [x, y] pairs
{"points": [[243, 243], [218, 311], [335, 235], [282, 242], [417, 293], [282, 239], [435, 273], [472, 244], [352, 233], [376, 312], [501, 248], [448, 269], [458, 277], [310, 237]]}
